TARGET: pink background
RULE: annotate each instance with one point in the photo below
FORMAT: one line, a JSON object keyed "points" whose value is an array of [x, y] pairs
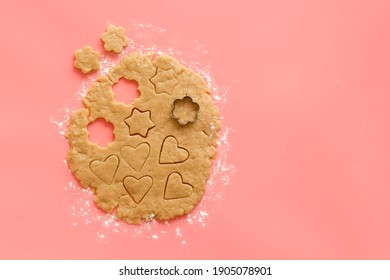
{"points": [[308, 102]]}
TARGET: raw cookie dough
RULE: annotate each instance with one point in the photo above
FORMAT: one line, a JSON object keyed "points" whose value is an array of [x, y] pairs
{"points": [[86, 59], [164, 145], [114, 38]]}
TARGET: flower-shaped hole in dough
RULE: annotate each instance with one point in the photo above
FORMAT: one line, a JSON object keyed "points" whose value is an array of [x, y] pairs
{"points": [[86, 59], [114, 38], [185, 110]]}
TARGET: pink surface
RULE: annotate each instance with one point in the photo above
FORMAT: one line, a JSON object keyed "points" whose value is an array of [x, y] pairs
{"points": [[308, 102]]}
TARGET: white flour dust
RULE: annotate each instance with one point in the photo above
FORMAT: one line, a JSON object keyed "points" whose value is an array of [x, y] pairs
{"points": [[82, 208]]}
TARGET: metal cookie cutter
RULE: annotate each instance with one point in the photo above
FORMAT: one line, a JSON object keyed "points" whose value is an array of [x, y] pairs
{"points": [[185, 110]]}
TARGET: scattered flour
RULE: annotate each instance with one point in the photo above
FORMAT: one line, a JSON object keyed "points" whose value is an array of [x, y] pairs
{"points": [[82, 208]]}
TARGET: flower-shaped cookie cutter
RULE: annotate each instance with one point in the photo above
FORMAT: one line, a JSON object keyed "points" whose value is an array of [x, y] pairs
{"points": [[185, 110]]}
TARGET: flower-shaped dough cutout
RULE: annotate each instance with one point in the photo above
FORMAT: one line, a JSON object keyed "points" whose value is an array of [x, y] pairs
{"points": [[114, 38], [185, 110], [86, 59]]}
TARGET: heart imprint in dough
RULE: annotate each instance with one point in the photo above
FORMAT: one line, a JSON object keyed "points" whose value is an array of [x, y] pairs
{"points": [[105, 170], [176, 188], [137, 188], [136, 157], [171, 152]]}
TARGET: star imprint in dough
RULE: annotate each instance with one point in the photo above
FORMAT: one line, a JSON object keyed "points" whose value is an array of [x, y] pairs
{"points": [[164, 81], [139, 122]]}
